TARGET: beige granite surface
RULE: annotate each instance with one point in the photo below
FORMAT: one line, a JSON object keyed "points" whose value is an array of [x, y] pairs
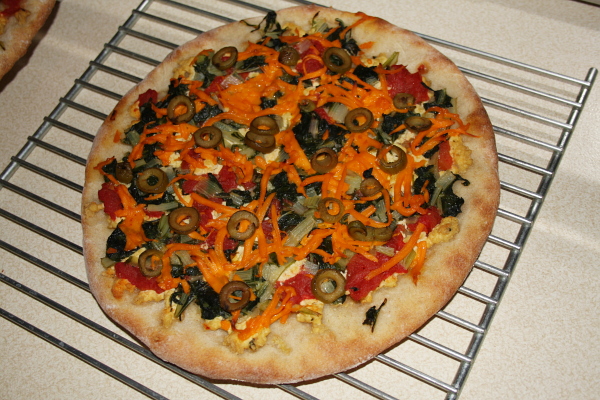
{"points": [[544, 340]]}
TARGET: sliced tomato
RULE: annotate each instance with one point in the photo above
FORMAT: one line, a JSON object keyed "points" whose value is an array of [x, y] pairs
{"points": [[358, 267], [227, 178], [444, 156], [430, 220], [405, 82], [148, 95], [112, 202], [136, 278], [301, 282]]}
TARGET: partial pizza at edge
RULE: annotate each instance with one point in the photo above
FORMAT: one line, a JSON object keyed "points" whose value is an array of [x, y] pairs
{"points": [[292, 352], [19, 28]]}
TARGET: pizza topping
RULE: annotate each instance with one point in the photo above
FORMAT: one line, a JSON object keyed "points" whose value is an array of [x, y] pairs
{"points": [[124, 172], [288, 56], [181, 109], [208, 137], [242, 225], [330, 209], [289, 170], [236, 290], [417, 124], [404, 101], [337, 60], [150, 263], [372, 313], [358, 120], [184, 220], [152, 180], [392, 159], [370, 187], [225, 58]]}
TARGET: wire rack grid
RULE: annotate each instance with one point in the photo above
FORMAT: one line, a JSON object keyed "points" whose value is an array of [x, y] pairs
{"points": [[432, 363]]}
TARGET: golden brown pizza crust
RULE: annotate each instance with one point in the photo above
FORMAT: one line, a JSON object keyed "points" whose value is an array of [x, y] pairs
{"points": [[19, 32], [345, 342]]}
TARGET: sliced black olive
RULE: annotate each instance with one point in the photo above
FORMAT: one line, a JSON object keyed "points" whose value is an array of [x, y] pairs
{"points": [[337, 60], [404, 100], [289, 56], [225, 58], [417, 124], [307, 105], [152, 180], [330, 209], [370, 187], [174, 103], [258, 142], [324, 160], [229, 290], [208, 137], [184, 220], [264, 125], [394, 166], [358, 231], [123, 172], [235, 224], [150, 263], [358, 120], [331, 277]]}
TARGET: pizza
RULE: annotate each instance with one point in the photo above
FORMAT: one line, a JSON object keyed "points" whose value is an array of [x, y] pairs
{"points": [[286, 197], [20, 20]]}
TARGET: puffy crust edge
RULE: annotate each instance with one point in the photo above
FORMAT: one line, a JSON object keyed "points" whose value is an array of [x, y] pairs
{"points": [[346, 343], [17, 37]]}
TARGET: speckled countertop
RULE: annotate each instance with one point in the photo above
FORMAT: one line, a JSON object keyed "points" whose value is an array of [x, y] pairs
{"points": [[544, 340]]}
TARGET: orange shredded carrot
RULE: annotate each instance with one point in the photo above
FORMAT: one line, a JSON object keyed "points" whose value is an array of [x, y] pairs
{"points": [[399, 256], [417, 264], [277, 308]]}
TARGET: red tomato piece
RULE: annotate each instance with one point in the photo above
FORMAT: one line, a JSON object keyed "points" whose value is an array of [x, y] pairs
{"points": [[396, 242], [215, 85], [227, 179], [358, 267], [249, 185], [110, 198], [148, 95], [136, 278], [430, 220], [323, 115], [301, 282], [444, 156], [308, 66], [405, 82], [228, 243], [205, 213], [154, 214]]}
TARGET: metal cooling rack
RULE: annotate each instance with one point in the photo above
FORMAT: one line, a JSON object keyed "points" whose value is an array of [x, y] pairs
{"points": [[531, 143]]}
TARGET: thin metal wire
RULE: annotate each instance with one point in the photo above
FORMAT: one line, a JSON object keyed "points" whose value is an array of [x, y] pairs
{"points": [[502, 274]]}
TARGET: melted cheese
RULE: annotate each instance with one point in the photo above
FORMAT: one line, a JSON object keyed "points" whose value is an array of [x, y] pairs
{"points": [[461, 155], [444, 231]]}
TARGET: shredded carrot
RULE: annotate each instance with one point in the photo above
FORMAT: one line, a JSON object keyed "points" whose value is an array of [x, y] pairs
{"points": [[277, 309], [399, 256], [417, 264]]}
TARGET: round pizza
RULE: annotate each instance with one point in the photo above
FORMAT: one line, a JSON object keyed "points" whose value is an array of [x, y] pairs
{"points": [[286, 197], [20, 20]]}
